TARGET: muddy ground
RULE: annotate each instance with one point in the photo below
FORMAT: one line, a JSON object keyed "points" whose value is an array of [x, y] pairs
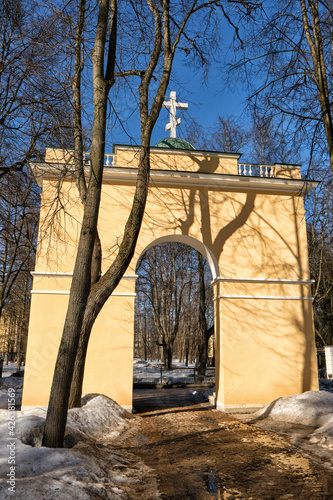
{"points": [[199, 453]]}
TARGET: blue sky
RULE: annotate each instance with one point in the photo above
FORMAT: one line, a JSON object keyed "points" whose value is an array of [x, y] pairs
{"points": [[206, 100]]}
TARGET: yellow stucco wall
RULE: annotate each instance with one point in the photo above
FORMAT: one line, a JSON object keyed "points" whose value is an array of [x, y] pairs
{"points": [[264, 329], [109, 364], [266, 348]]}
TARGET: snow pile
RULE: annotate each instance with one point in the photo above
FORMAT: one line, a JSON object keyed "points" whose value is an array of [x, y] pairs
{"points": [[324, 435], [312, 409], [140, 362], [209, 394], [93, 466], [99, 416]]}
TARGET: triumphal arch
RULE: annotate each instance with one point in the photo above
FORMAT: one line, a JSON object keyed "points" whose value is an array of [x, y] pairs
{"points": [[249, 223]]}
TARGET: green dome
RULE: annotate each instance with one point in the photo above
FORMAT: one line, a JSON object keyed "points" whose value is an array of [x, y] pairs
{"points": [[173, 143]]}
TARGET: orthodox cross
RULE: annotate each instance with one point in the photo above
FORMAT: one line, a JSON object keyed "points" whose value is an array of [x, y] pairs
{"points": [[173, 105]]}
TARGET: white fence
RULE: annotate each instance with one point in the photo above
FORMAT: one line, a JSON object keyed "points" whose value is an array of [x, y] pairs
{"points": [[252, 170], [108, 159]]}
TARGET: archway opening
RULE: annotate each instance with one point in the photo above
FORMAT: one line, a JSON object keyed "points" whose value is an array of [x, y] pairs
{"points": [[174, 326]]}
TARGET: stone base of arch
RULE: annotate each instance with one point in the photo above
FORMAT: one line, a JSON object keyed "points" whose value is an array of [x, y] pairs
{"points": [[237, 408]]}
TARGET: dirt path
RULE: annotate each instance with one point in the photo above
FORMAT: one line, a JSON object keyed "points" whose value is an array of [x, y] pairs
{"points": [[200, 453]]}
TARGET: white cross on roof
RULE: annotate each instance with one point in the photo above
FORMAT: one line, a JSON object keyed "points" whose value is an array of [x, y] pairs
{"points": [[173, 106]]}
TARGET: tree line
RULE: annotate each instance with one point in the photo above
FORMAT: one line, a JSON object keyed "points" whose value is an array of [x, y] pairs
{"points": [[174, 316]]}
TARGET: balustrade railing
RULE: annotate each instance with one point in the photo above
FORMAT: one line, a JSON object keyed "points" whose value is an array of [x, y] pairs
{"points": [[108, 159], [251, 170], [246, 169]]}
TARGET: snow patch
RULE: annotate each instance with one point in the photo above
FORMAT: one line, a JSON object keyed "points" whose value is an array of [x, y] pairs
{"points": [[13, 383], [93, 466], [312, 410], [98, 416], [149, 373]]}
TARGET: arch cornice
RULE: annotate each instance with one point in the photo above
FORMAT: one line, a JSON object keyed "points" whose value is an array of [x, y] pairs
{"points": [[187, 179]]}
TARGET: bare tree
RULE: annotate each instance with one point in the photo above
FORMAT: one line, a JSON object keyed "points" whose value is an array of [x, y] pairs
{"points": [[320, 230], [164, 286], [19, 208], [19, 205], [204, 333], [313, 20], [195, 134], [174, 291], [32, 98], [80, 288], [289, 50], [287, 55], [86, 300], [227, 135]]}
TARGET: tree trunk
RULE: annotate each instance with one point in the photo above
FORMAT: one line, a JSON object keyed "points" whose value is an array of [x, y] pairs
{"points": [[86, 300], [202, 356], [102, 290], [58, 404], [167, 356], [18, 346], [187, 351], [202, 340], [145, 339], [77, 105], [106, 285], [314, 39]]}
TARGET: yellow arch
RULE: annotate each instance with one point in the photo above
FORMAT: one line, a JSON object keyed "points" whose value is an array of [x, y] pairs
{"points": [[192, 242]]}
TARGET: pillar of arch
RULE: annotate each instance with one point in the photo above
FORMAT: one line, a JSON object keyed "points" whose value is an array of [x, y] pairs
{"points": [[248, 222]]}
